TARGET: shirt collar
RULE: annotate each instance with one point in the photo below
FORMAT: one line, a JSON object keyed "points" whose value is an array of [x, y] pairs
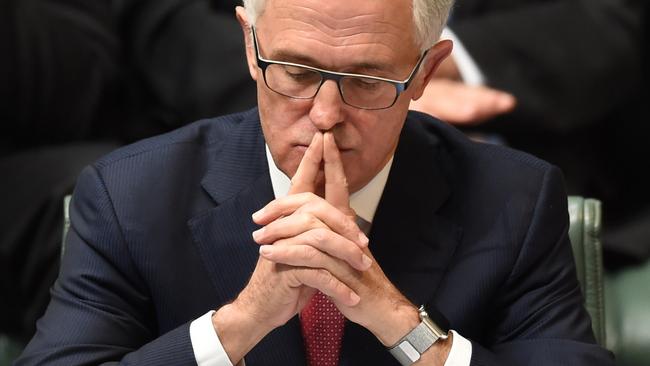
{"points": [[364, 201]]}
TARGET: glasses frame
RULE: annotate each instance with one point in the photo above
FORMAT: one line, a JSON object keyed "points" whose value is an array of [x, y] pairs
{"points": [[400, 86]]}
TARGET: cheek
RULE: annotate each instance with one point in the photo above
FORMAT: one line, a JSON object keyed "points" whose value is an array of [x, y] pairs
{"points": [[379, 137], [282, 128]]}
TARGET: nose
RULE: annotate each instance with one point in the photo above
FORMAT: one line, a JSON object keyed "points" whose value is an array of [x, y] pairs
{"points": [[327, 108]]}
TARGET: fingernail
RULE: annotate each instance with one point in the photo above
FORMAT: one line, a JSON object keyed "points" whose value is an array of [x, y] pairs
{"points": [[354, 298], [258, 214], [266, 250], [363, 239], [257, 234], [367, 262]]}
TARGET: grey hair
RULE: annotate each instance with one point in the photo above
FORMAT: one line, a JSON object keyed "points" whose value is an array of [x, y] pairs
{"points": [[429, 17]]}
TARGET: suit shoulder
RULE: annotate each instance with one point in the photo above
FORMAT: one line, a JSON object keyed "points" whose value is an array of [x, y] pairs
{"points": [[472, 152], [203, 134]]}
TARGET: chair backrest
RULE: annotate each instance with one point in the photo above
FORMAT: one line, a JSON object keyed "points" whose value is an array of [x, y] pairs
{"points": [[66, 221], [627, 299], [584, 232]]}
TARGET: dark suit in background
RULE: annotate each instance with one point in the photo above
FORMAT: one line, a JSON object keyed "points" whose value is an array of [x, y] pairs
{"points": [[576, 68], [161, 233], [78, 79], [60, 105], [186, 58]]}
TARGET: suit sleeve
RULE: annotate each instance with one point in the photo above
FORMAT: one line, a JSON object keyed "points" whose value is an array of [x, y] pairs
{"points": [[541, 318], [101, 311], [568, 62]]}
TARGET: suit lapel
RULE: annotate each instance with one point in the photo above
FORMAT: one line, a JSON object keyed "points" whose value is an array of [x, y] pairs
{"points": [[411, 242], [238, 181]]}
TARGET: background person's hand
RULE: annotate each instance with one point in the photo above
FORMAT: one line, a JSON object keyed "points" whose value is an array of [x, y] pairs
{"points": [[458, 103]]}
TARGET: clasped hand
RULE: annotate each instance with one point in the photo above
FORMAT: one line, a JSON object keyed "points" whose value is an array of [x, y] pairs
{"points": [[311, 243]]}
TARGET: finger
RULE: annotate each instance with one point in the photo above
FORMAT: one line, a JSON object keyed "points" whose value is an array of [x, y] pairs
{"points": [[479, 103], [286, 227], [326, 283], [495, 102], [292, 215], [462, 104], [283, 206], [319, 248], [304, 178], [336, 183]]}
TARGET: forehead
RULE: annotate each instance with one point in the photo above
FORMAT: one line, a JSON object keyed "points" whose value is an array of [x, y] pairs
{"points": [[339, 33]]}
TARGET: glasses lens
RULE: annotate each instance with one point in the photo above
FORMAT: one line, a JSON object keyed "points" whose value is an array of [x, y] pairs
{"points": [[368, 93], [292, 81]]}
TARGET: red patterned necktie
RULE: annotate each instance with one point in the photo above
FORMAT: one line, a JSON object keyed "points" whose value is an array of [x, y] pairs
{"points": [[322, 329]]}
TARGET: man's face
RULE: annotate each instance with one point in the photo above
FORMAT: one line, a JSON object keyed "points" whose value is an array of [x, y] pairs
{"points": [[367, 37]]}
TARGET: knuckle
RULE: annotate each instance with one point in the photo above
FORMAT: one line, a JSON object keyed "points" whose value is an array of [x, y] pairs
{"points": [[349, 225], [319, 235], [324, 278], [311, 220], [308, 253], [313, 207]]}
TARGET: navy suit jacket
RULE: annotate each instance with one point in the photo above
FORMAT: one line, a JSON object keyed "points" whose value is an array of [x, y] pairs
{"points": [[161, 233]]}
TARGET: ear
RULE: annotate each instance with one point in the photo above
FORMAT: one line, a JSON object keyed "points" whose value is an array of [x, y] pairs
{"points": [[434, 58], [251, 57]]}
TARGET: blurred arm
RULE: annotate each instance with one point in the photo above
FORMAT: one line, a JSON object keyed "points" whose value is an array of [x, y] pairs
{"points": [[566, 62]]}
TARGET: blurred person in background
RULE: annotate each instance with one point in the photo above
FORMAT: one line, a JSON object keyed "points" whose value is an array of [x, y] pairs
{"points": [[60, 104], [564, 81], [78, 79], [186, 59]]}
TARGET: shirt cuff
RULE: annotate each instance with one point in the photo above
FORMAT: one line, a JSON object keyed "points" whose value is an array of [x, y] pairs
{"points": [[461, 351], [467, 67], [208, 350]]}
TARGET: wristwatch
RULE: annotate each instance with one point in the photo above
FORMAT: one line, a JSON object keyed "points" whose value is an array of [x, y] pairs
{"points": [[410, 348]]}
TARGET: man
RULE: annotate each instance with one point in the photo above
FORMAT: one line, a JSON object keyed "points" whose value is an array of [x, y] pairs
{"points": [[576, 71], [162, 231]]}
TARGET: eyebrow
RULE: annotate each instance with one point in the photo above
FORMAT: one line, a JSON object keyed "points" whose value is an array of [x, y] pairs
{"points": [[360, 67]]}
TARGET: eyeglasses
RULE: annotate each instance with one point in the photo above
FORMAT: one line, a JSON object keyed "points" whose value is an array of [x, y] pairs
{"points": [[303, 82]]}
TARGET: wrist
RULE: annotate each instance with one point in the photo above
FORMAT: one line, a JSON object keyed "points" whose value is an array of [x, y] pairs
{"points": [[400, 322], [237, 331]]}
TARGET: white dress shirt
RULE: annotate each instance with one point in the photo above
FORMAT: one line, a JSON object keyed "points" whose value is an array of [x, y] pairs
{"points": [[207, 347]]}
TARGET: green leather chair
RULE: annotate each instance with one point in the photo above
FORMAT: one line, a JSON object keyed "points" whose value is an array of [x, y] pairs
{"points": [[619, 303], [584, 233], [9, 350], [627, 309]]}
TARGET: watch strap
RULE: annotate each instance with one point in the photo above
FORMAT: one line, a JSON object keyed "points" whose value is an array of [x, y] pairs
{"points": [[409, 349], [411, 346]]}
